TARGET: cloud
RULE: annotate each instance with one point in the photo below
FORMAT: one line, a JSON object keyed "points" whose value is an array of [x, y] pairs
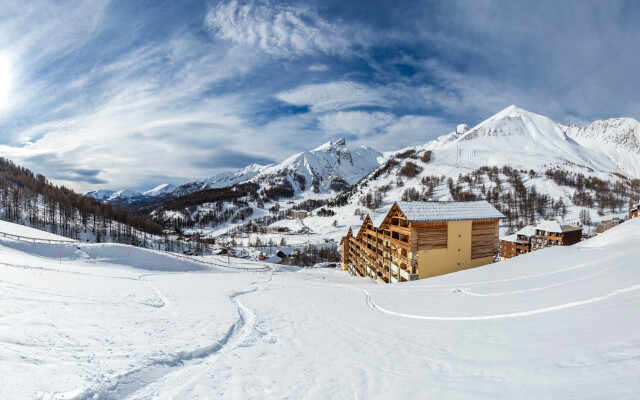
{"points": [[318, 67], [279, 30], [358, 123], [334, 96], [384, 131]]}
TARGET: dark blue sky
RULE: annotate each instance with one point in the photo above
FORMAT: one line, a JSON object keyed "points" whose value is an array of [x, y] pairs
{"points": [[98, 94]]}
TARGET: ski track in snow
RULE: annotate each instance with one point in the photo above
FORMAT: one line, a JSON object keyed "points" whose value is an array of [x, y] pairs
{"points": [[130, 383], [372, 305]]}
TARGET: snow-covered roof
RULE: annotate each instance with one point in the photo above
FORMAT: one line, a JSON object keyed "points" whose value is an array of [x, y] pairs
{"points": [[424, 211], [378, 219], [510, 238], [549, 226], [527, 231]]}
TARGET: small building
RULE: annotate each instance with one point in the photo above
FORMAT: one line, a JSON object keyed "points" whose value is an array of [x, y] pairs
{"points": [[517, 244], [417, 240], [634, 212], [551, 233], [606, 225], [508, 247], [299, 214]]}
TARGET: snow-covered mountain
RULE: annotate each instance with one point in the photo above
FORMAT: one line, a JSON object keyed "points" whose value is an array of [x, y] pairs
{"points": [[523, 139], [329, 168], [617, 138], [552, 170], [221, 180], [100, 195], [160, 190]]}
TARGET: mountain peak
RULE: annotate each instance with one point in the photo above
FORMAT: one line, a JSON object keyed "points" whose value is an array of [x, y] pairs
{"points": [[331, 145]]}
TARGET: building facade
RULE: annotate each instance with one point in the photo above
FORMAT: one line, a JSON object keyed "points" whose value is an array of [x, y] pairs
{"points": [[532, 238], [418, 240]]}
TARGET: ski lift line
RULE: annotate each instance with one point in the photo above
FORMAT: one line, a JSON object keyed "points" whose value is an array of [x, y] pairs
{"points": [[10, 235]]}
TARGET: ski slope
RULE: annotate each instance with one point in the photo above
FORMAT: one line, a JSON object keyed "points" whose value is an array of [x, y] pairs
{"points": [[110, 321]]}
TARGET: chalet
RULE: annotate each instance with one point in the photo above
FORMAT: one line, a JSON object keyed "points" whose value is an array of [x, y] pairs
{"points": [[417, 240], [551, 233]]}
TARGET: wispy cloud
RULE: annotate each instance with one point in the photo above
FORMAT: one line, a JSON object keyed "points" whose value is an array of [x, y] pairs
{"points": [[278, 29], [334, 96]]}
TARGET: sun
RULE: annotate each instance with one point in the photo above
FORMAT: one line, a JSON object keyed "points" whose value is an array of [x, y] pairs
{"points": [[5, 78]]}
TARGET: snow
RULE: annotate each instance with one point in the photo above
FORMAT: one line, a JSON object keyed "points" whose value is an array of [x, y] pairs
{"points": [[556, 323], [100, 195], [10, 229], [448, 211], [527, 231], [160, 190], [122, 195], [510, 238], [549, 226]]}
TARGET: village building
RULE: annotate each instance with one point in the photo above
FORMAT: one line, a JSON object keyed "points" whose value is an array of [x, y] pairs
{"points": [[299, 214], [606, 225], [417, 240], [634, 212], [551, 233], [532, 238], [255, 228], [517, 244]]}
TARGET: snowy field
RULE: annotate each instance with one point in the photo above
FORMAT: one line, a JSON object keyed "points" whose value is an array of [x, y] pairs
{"points": [[109, 321]]}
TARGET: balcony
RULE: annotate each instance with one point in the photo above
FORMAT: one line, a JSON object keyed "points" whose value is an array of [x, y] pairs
{"points": [[403, 273], [400, 229]]}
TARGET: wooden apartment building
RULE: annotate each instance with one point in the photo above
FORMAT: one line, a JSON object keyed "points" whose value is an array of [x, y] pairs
{"points": [[417, 240]]}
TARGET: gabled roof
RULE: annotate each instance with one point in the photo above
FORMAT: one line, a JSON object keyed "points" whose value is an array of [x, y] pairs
{"points": [[366, 221], [349, 234], [428, 211]]}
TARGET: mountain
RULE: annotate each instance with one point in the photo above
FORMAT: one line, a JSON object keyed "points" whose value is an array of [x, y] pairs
{"points": [[328, 168], [100, 195], [160, 190], [524, 163], [220, 180], [617, 138], [331, 167], [523, 139]]}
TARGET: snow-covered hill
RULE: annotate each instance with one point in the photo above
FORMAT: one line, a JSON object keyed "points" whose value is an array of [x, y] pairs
{"points": [[110, 322]]}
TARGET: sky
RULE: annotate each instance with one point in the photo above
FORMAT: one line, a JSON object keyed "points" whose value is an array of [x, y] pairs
{"points": [[131, 94]]}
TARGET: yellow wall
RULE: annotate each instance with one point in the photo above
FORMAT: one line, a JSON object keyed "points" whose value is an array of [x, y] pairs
{"points": [[444, 261]]}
